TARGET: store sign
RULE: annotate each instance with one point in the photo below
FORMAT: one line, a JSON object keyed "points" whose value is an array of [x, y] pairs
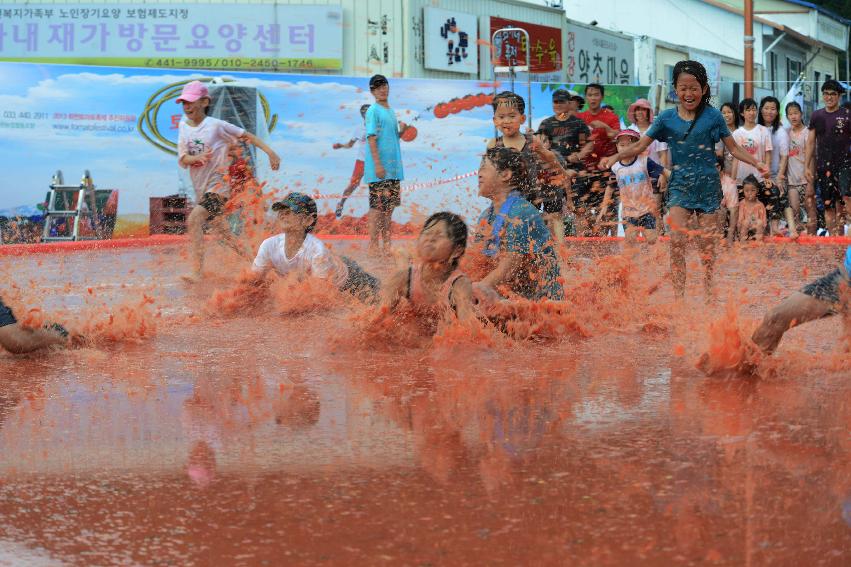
{"points": [[187, 36], [450, 41], [509, 48], [594, 56]]}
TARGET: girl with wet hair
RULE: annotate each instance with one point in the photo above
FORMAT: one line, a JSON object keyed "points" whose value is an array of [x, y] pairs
{"points": [[778, 196], [516, 245], [691, 131], [432, 284]]}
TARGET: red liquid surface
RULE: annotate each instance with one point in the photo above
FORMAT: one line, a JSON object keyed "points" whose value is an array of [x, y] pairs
{"points": [[203, 427]]}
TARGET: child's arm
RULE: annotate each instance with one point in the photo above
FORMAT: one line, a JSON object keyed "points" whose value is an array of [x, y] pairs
{"points": [[274, 160], [507, 265], [394, 289], [348, 144], [744, 156], [380, 172], [462, 299], [809, 155], [630, 152], [607, 199]]}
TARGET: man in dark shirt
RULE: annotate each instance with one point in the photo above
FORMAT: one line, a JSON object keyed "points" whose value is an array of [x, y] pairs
{"points": [[828, 159], [569, 138], [591, 188]]}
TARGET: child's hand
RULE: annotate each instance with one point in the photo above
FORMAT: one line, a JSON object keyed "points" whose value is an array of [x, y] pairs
{"points": [[339, 210], [608, 162], [274, 161], [380, 172], [763, 169], [201, 159], [337, 145]]}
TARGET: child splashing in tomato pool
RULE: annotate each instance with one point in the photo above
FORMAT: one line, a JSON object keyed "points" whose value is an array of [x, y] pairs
{"points": [[694, 190]]}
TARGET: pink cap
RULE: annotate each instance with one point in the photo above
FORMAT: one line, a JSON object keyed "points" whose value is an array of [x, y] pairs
{"points": [[628, 132], [192, 92]]}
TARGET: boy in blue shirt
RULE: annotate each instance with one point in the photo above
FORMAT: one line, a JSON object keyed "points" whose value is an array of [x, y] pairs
{"points": [[516, 239], [383, 166]]}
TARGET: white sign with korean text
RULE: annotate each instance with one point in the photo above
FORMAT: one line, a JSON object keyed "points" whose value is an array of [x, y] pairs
{"points": [[450, 40], [594, 56], [231, 36]]}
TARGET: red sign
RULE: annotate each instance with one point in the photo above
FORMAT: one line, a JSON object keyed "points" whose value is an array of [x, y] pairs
{"points": [[510, 47]]}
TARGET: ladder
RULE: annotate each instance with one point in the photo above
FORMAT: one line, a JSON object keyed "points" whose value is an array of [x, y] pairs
{"points": [[73, 204]]}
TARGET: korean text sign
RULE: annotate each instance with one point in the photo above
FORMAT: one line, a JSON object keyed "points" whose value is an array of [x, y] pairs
{"points": [[597, 57], [231, 36], [450, 40], [545, 53]]}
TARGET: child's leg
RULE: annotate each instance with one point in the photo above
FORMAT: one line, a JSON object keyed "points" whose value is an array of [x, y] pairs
{"points": [[734, 221], [651, 235], [791, 221], [630, 235], [678, 218], [811, 208], [796, 310], [708, 224], [373, 220], [795, 205], [19, 340], [386, 226], [555, 222], [195, 226]]}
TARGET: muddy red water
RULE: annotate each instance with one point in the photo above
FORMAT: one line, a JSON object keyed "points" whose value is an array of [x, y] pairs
{"points": [[195, 433]]}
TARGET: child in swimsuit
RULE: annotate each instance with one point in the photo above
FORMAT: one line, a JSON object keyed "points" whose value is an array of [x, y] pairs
{"points": [[433, 285]]}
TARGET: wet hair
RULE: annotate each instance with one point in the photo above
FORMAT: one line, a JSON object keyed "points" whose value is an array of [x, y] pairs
{"points": [[832, 85], [732, 107], [597, 86], [456, 229], [752, 180], [775, 124], [507, 159], [794, 104], [698, 71], [363, 109], [745, 104], [511, 99]]}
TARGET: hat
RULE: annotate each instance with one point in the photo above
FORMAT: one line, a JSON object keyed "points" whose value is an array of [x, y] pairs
{"points": [[299, 203], [192, 92], [376, 81], [640, 103], [628, 132], [561, 95]]}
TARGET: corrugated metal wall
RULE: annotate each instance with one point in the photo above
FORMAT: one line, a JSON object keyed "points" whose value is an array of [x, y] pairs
{"points": [[380, 36]]}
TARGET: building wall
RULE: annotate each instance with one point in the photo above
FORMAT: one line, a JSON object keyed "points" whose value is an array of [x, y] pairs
{"points": [[684, 22], [379, 36]]}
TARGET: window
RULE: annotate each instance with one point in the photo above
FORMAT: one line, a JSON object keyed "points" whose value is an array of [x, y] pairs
{"points": [[793, 71]]}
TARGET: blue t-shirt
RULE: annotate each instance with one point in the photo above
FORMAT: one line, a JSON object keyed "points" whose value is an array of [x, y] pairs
{"points": [[6, 315], [524, 232], [381, 122], [694, 183]]}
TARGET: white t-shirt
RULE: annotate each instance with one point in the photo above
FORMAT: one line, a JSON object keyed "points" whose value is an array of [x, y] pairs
{"points": [[654, 149], [217, 135], [780, 143], [756, 142], [360, 136], [312, 259], [797, 152]]}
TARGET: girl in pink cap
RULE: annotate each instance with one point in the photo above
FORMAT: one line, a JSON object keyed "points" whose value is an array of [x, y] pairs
{"points": [[203, 146], [640, 116]]}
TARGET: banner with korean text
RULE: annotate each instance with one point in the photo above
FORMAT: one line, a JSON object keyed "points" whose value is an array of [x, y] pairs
{"points": [[122, 123], [187, 36]]}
